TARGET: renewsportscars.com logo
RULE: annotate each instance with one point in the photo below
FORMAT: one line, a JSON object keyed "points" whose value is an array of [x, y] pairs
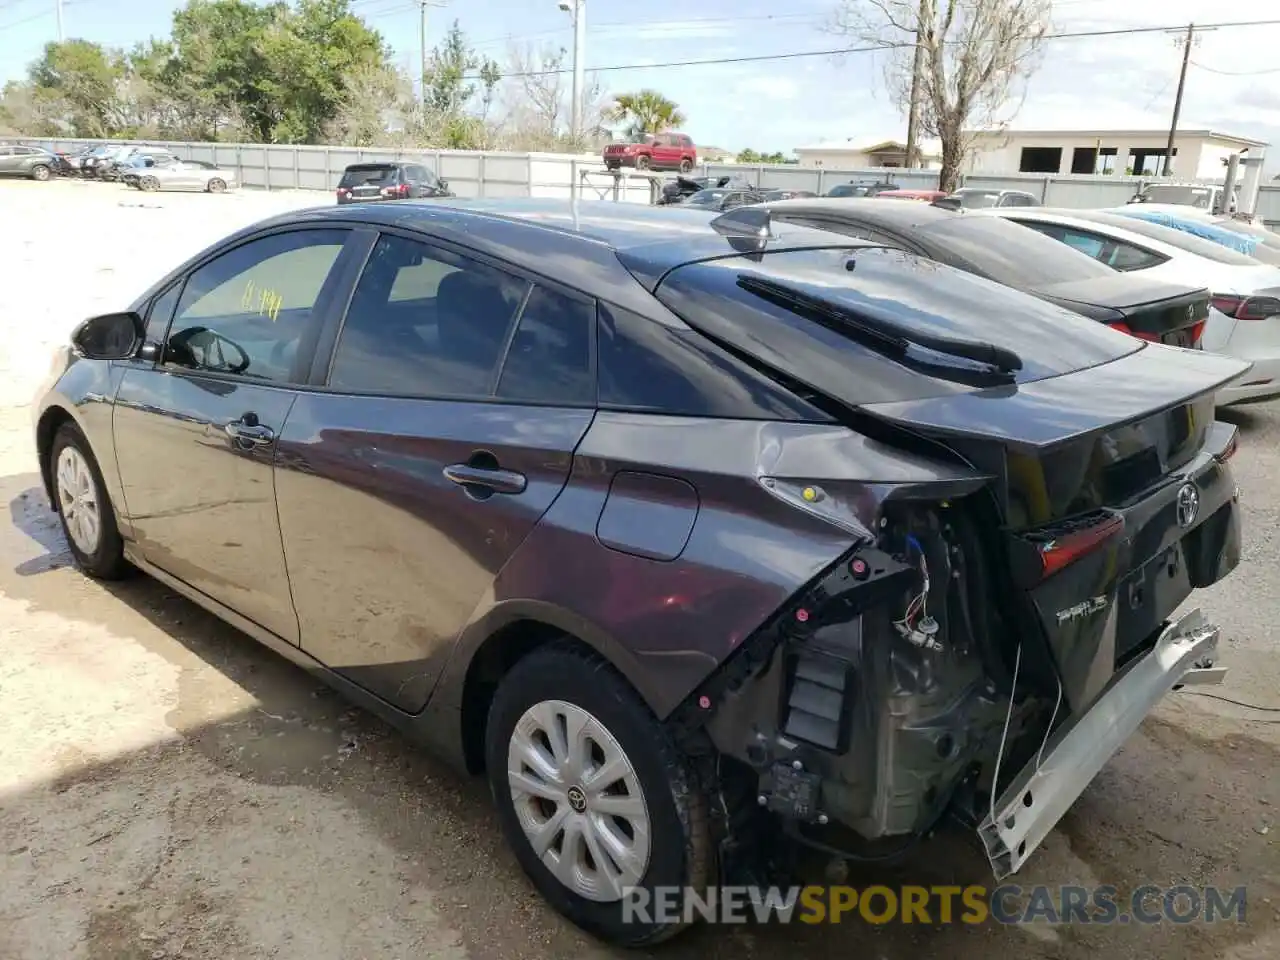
{"points": [[1008, 904]]}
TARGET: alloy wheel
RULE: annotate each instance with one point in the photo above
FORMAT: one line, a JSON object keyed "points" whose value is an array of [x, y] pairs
{"points": [[578, 799], [78, 500]]}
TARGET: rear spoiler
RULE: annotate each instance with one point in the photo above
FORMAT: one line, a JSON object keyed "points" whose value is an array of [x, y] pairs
{"points": [[1042, 414]]}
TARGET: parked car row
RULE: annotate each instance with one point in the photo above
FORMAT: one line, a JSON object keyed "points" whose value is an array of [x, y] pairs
{"points": [[144, 168], [697, 533]]}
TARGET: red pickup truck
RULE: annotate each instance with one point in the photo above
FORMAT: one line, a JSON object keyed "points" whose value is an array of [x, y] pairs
{"points": [[665, 151]]}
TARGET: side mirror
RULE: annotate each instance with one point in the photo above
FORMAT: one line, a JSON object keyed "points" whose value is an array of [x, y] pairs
{"points": [[444, 184], [110, 336]]}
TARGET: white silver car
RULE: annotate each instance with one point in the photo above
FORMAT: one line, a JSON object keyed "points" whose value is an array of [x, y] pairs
{"points": [[188, 175], [1244, 321]]}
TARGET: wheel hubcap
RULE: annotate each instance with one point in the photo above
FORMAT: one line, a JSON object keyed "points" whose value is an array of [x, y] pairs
{"points": [[78, 500], [578, 800]]}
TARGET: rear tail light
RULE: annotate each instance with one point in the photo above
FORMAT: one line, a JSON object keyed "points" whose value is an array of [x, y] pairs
{"points": [[1197, 331], [1123, 328], [1037, 555], [1247, 308]]}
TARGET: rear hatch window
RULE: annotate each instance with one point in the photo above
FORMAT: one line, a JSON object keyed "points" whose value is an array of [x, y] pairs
{"points": [[368, 175], [1003, 251], [883, 286]]}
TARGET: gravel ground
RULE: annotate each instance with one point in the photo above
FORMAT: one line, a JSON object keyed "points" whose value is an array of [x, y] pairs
{"points": [[170, 789]]}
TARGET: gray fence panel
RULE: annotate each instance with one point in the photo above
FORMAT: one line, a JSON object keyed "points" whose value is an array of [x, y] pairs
{"points": [[478, 174], [1269, 203]]}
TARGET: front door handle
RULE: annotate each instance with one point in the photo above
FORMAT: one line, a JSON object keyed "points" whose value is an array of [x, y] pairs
{"points": [[493, 479], [247, 432]]}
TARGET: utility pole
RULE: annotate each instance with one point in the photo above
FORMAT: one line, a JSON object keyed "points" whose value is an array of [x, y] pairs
{"points": [[58, 8], [913, 108], [577, 10], [422, 40], [579, 69], [1185, 40]]}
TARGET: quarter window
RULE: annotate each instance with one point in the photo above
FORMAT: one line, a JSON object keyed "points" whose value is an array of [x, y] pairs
{"points": [[549, 360], [425, 322], [247, 312]]}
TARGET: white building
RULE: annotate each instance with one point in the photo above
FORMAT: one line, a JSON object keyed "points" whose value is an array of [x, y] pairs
{"points": [[863, 153], [1197, 154]]}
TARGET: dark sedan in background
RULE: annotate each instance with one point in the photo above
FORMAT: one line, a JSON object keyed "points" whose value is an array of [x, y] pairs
{"points": [[648, 513], [989, 247]]}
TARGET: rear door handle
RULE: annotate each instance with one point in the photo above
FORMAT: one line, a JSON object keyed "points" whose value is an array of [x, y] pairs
{"points": [[488, 478], [246, 433]]}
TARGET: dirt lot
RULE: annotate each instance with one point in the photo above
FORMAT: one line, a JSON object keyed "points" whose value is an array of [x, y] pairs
{"points": [[170, 789]]}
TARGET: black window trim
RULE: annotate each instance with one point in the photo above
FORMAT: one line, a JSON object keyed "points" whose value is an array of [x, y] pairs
{"points": [[326, 352], [332, 286]]}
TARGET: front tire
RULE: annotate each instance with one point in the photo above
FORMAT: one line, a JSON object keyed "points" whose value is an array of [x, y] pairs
{"points": [[593, 795], [148, 184], [41, 172], [88, 520]]}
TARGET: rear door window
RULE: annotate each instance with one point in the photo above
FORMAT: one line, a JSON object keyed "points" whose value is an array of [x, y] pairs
{"points": [[425, 322]]}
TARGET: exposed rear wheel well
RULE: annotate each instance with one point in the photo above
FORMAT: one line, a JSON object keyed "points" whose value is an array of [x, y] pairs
{"points": [[46, 430], [495, 658]]}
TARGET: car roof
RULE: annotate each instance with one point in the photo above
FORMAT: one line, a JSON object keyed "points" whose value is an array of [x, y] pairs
{"points": [[901, 216], [550, 237]]}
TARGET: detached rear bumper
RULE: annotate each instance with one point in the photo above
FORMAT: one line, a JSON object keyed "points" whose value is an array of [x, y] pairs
{"points": [[1046, 788]]}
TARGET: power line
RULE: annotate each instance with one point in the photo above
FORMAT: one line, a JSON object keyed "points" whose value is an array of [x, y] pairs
{"points": [[35, 16], [1234, 73], [876, 48], [684, 21]]}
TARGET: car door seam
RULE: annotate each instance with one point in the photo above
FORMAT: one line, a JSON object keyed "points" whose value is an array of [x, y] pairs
{"points": [[275, 503]]}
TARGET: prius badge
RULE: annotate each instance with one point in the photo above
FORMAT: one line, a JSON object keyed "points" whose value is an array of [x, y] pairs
{"points": [[1080, 610]]}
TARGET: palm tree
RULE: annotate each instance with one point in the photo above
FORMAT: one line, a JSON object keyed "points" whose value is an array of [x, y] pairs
{"points": [[645, 112]]}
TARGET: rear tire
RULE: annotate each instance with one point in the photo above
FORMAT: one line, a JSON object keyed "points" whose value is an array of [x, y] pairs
{"points": [[655, 834], [84, 507], [41, 172], [217, 186], [686, 165], [148, 184]]}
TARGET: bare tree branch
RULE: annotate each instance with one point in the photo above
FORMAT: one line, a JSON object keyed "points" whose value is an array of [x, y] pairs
{"points": [[976, 56]]}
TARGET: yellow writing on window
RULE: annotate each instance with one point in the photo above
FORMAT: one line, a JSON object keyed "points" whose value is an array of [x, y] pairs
{"points": [[261, 300]]}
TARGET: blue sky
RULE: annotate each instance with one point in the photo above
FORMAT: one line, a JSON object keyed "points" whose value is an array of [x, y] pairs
{"points": [[1115, 82]]}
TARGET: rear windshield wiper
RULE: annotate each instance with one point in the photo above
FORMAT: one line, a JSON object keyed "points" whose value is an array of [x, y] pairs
{"points": [[888, 334]]}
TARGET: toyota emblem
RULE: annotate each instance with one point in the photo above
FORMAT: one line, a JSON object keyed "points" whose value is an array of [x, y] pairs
{"points": [[1188, 504]]}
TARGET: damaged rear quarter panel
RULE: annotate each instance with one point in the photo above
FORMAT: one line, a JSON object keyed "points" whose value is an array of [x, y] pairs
{"points": [[667, 624]]}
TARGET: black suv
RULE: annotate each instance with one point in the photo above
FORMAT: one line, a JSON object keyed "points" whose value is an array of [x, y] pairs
{"points": [[362, 182]]}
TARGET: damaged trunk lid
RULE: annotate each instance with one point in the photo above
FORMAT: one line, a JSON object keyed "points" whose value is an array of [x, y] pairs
{"points": [[1097, 440]]}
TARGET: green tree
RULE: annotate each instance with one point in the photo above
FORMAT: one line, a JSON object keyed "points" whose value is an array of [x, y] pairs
{"points": [[645, 112], [77, 79], [458, 88]]}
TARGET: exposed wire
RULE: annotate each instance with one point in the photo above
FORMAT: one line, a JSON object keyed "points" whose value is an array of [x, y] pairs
{"points": [[1237, 703]]}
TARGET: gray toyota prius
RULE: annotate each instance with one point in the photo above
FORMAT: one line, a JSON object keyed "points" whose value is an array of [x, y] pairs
{"points": [[702, 536]]}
